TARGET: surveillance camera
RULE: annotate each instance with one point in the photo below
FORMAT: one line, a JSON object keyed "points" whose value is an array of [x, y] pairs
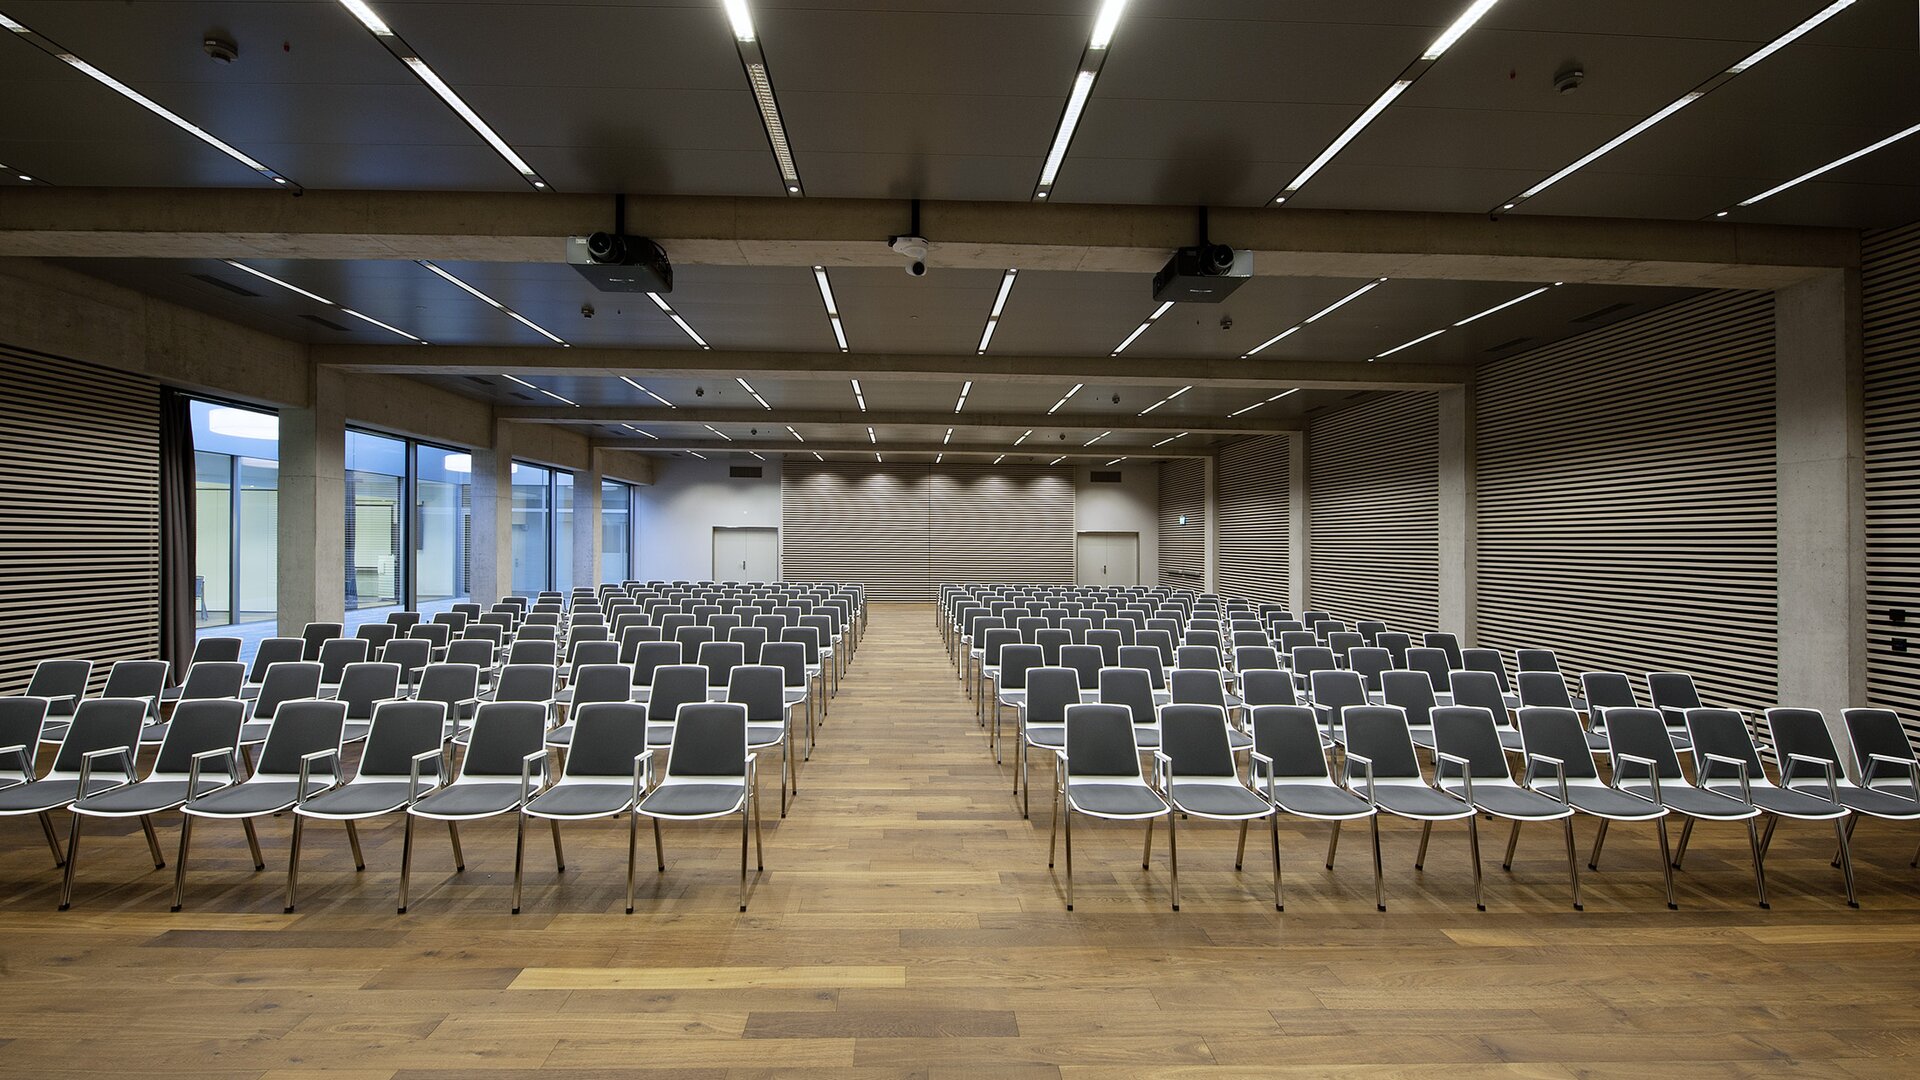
{"points": [[1569, 78], [1226, 322], [586, 311], [699, 391], [916, 268], [914, 250], [1116, 399]]}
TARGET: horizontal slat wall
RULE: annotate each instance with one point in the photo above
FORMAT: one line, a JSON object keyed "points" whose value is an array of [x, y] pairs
{"points": [[1251, 527], [1626, 498], [1373, 505], [1183, 548], [1890, 309], [79, 516], [1001, 523], [902, 529]]}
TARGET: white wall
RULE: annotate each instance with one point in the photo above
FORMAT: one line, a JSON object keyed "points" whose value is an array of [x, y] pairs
{"points": [[1131, 506], [688, 497]]}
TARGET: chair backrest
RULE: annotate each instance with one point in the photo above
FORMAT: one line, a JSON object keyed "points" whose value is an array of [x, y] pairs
{"points": [[1290, 736], [1144, 657], [1130, 689], [504, 733], [437, 633], [1555, 733], [1368, 662], [1049, 691], [138, 679], [1312, 618], [673, 622], [1050, 641], [101, 724], [215, 650], [1412, 692], [991, 642], [601, 682], [300, 728], [376, 635], [774, 625], [454, 621], [751, 640], [526, 650], [1672, 690], [652, 656], [1481, 690], [1100, 742], [198, 726], [211, 679], [789, 656], [1337, 691], [286, 682], [492, 635], [465, 651], [316, 634], [1640, 733], [1468, 731], [402, 621], [401, 730], [449, 685], [1076, 628], [1313, 658], [1487, 660], [1297, 639], [1369, 629], [532, 631], [1264, 686], [337, 653], [1536, 660], [608, 737], [1876, 731], [1108, 642], [273, 650], [1029, 626], [1447, 642], [1195, 737], [1198, 686], [364, 685], [1086, 660], [1343, 642], [525, 682], [1722, 733], [720, 658], [709, 740], [1159, 639], [675, 685], [1396, 643], [1544, 688], [1380, 734], [1606, 690], [1255, 658], [1803, 732], [1433, 663], [1202, 639], [762, 688], [1015, 661]]}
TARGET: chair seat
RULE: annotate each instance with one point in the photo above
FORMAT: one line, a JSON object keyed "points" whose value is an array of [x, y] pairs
{"points": [[694, 800], [45, 794], [1510, 802], [1608, 803], [254, 732], [582, 800], [1693, 802], [763, 735], [145, 797], [1115, 800], [483, 799], [1319, 801], [1874, 803], [561, 736], [1218, 800], [1420, 802], [366, 798], [1047, 736], [1787, 803], [1238, 740], [254, 799]]}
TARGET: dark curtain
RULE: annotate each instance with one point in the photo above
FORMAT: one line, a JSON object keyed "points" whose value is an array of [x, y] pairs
{"points": [[178, 602]]}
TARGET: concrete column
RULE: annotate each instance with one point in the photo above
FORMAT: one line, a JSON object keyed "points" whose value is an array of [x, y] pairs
{"points": [[1210, 478], [1297, 568], [490, 556], [587, 537], [1457, 539], [312, 571], [1819, 424]]}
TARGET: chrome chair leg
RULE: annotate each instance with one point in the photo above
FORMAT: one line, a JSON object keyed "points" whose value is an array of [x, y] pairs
{"points": [[1273, 821], [1069, 830], [353, 841], [1573, 864], [180, 864], [1600, 838], [1846, 860], [1379, 883], [1759, 871], [73, 852], [293, 862], [1333, 844], [1666, 864], [53, 839], [153, 842], [406, 862], [519, 855], [633, 845], [1146, 853], [1240, 851], [743, 854], [459, 860], [1173, 856], [253, 844], [659, 853], [559, 854], [1420, 857], [1680, 853], [1513, 841], [1473, 848]]}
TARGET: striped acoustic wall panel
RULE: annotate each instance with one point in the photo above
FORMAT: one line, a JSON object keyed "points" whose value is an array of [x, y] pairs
{"points": [[1626, 498], [1890, 310], [1183, 546], [79, 516], [1251, 497], [1373, 505], [851, 522], [1001, 523]]}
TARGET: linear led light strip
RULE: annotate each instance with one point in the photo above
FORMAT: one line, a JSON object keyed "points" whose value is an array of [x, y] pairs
{"points": [[833, 311], [966, 389], [1091, 60], [1115, 461], [1828, 167], [537, 389], [648, 392], [740, 19], [1316, 316], [1503, 305], [1096, 438], [407, 55], [858, 396], [28, 179], [999, 302], [1682, 102], [678, 321], [718, 432], [48, 46], [1142, 328], [642, 431], [1058, 460], [290, 287], [871, 437], [512, 314], [1250, 408], [1452, 34], [794, 433], [1183, 434], [748, 387], [698, 454], [1023, 437], [1063, 400], [948, 438], [1164, 400]]}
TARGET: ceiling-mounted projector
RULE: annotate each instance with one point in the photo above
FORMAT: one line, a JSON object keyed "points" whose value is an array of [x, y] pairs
{"points": [[1206, 274], [613, 262]]}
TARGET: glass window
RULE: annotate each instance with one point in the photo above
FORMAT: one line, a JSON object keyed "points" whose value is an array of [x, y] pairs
{"points": [[237, 520], [532, 528], [376, 508], [563, 531], [616, 531], [442, 518]]}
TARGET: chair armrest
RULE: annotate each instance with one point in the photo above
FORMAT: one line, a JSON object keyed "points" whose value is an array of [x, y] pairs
{"points": [[1255, 759], [642, 772], [1825, 766], [1466, 772], [1653, 777], [306, 765], [1746, 785], [413, 772], [1559, 771], [193, 769], [1163, 770], [26, 760], [1912, 768], [1366, 765], [535, 760], [86, 766]]}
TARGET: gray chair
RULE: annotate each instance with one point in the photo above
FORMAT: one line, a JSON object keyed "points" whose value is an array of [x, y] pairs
{"points": [[709, 774], [1397, 645], [762, 689], [1207, 687], [1437, 668], [95, 755], [1099, 776], [143, 679], [301, 757], [1471, 764], [22, 719], [606, 771], [316, 634], [61, 684], [1412, 693], [593, 684], [1606, 690], [1673, 694], [1380, 757], [1333, 693], [209, 680], [1889, 787], [296, 681], [1645, 765], [208, 650], [649, 658], [1009, 684], [1290, 758], [405, 758], [1559, 765], [376, 635], [720, 658], [412, 655], [1132, 689], [1726, 761], [1263, 687], [364, 687], [1883, 756], [335, 655], [504, 756], [1042, 720], [1199, 778], [674, 685], [1481, 690], [791, 658], [1489, 661], [1448, 643], [455, 686], [751, 640]]}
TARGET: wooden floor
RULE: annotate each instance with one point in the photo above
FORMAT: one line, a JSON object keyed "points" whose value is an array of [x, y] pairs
{"points": [[908, 926]]}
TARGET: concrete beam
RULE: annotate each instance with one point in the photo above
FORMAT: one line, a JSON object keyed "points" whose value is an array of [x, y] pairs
{"points": [[866, 449], [708, 230], [838, 366], [1155, 421]]}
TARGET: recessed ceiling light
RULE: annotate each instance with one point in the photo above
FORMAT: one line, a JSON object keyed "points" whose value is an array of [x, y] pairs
{"points": [[1257, 404], [740, 18], [718, 432], [642, 431], [1828, 167], [794, 433], [1058, 460], [366, 16], [999, 302], [1115, 461], [747, 41], [1023, 437], [948, 438], [964, 391], [648, 392], [558, 398], [1142, 328], [871, 437], [858, 396], [1000, 459], [1501, 306], [938, 458], [1096, 438], [290, 287], [1105, 23], [816, 455], [1063, 399], [1092, 58], [833, 310], [1164, 400], [1170, 438], [661, 303], [755, 455], [1345, 300], [1409, 344], [698, 454], [509, 312], [877, 457]]}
